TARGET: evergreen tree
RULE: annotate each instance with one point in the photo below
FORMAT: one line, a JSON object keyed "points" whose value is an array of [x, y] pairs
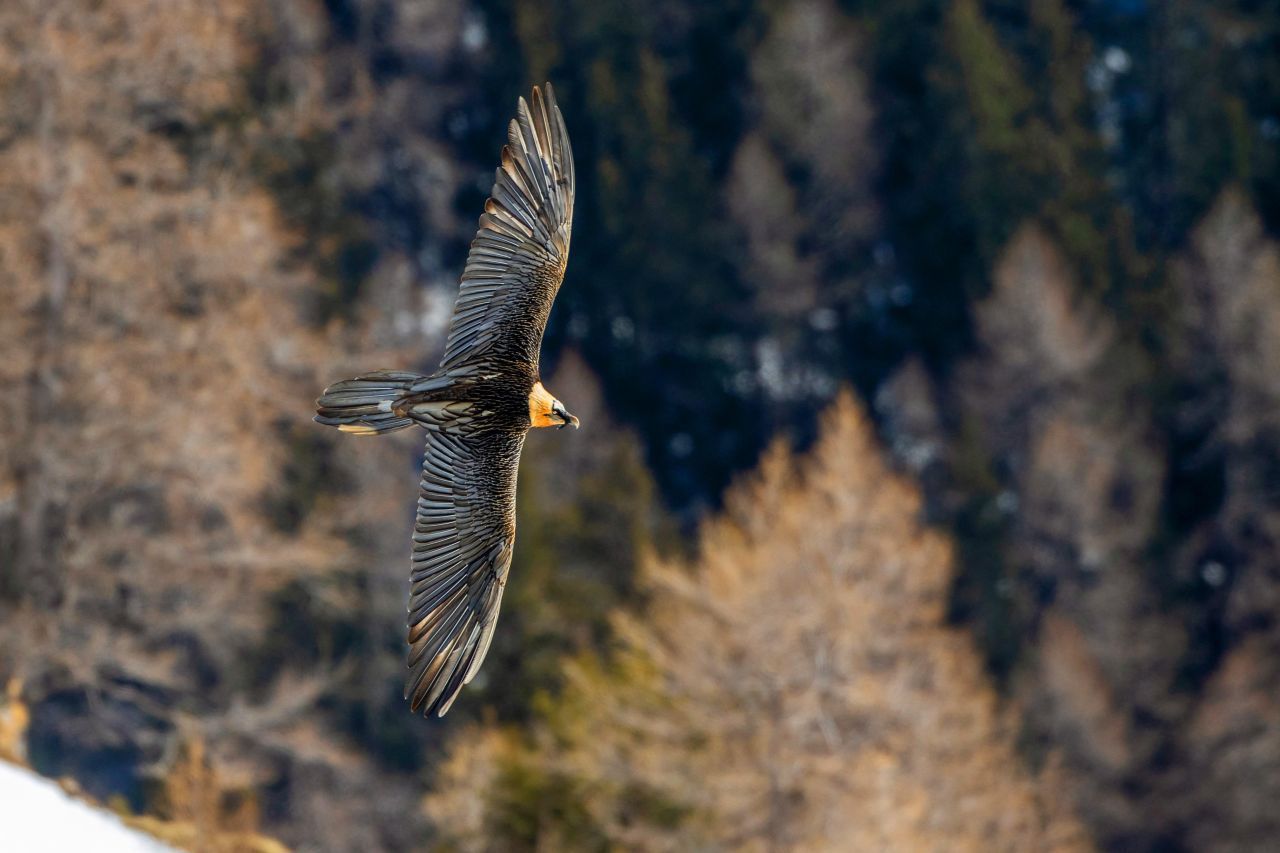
{"points": [[650, 297], [987, 126]]}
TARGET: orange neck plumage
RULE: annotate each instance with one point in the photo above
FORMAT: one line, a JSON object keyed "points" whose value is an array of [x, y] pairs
{"points": [[540, 401]]}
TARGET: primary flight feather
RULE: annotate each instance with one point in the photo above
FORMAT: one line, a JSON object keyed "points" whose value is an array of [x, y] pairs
{"points": [[477, 407]]}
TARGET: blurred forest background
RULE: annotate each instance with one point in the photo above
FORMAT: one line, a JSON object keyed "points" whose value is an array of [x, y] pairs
{"points": [[1016, 589]]}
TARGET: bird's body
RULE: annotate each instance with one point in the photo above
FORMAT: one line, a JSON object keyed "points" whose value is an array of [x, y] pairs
{"points": [[477, 407]]}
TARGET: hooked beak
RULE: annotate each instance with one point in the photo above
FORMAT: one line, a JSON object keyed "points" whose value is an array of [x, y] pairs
{"points": [[569, 420]]}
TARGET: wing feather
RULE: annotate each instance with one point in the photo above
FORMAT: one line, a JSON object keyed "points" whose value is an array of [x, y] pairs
{"points": [[520, 251], [465, 527], [462, 545]]}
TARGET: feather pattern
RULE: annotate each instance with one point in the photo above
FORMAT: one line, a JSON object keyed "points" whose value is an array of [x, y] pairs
{"points": [[462, 545], [518, 257], [477, 408]]}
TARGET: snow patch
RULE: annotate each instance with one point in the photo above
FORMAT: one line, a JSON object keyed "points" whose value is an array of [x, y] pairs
{"points": [[36, 816]]}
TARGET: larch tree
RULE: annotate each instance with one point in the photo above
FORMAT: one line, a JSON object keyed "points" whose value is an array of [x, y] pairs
{"points": [[800, 192], [1071, 500], [796, 687], [159, 488], [1229, 283]]}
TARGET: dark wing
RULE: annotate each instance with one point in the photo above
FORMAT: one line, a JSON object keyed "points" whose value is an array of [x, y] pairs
{"points": [[518, 257], [461, 553]]}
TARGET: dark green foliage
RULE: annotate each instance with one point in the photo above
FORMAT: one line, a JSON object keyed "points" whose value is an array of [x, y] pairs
{"points": [[990, 130], [648, 221], [10, 587], [982, 595], [310, 625], [527, 796], [335, 239], [1198, 111], [326, 627], [308, 474]]}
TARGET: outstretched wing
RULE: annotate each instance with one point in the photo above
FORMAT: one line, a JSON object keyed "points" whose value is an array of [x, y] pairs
{"points": [[518, 257], [462, 545]]}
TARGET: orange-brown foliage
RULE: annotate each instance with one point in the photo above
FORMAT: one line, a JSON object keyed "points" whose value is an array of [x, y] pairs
{"points": [[796, 688]]}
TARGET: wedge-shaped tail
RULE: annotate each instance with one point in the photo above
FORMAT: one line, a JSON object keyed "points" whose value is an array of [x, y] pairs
{"points": [[365, 405]]}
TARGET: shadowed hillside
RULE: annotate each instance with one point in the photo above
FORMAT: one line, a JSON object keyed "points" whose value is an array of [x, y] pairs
{"points": [[1036, 239]]}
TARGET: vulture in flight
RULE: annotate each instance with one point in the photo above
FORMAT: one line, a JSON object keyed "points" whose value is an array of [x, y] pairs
{"points": [[477, 407]]}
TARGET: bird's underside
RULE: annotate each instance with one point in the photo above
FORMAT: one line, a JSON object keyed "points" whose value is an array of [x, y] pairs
{"points": [[477, 408]]}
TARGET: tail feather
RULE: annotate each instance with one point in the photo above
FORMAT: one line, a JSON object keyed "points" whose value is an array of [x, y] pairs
{"points": [[364, 405]]}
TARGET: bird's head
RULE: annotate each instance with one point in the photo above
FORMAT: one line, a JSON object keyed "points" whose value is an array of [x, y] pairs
{"points": [[546, 411]]}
